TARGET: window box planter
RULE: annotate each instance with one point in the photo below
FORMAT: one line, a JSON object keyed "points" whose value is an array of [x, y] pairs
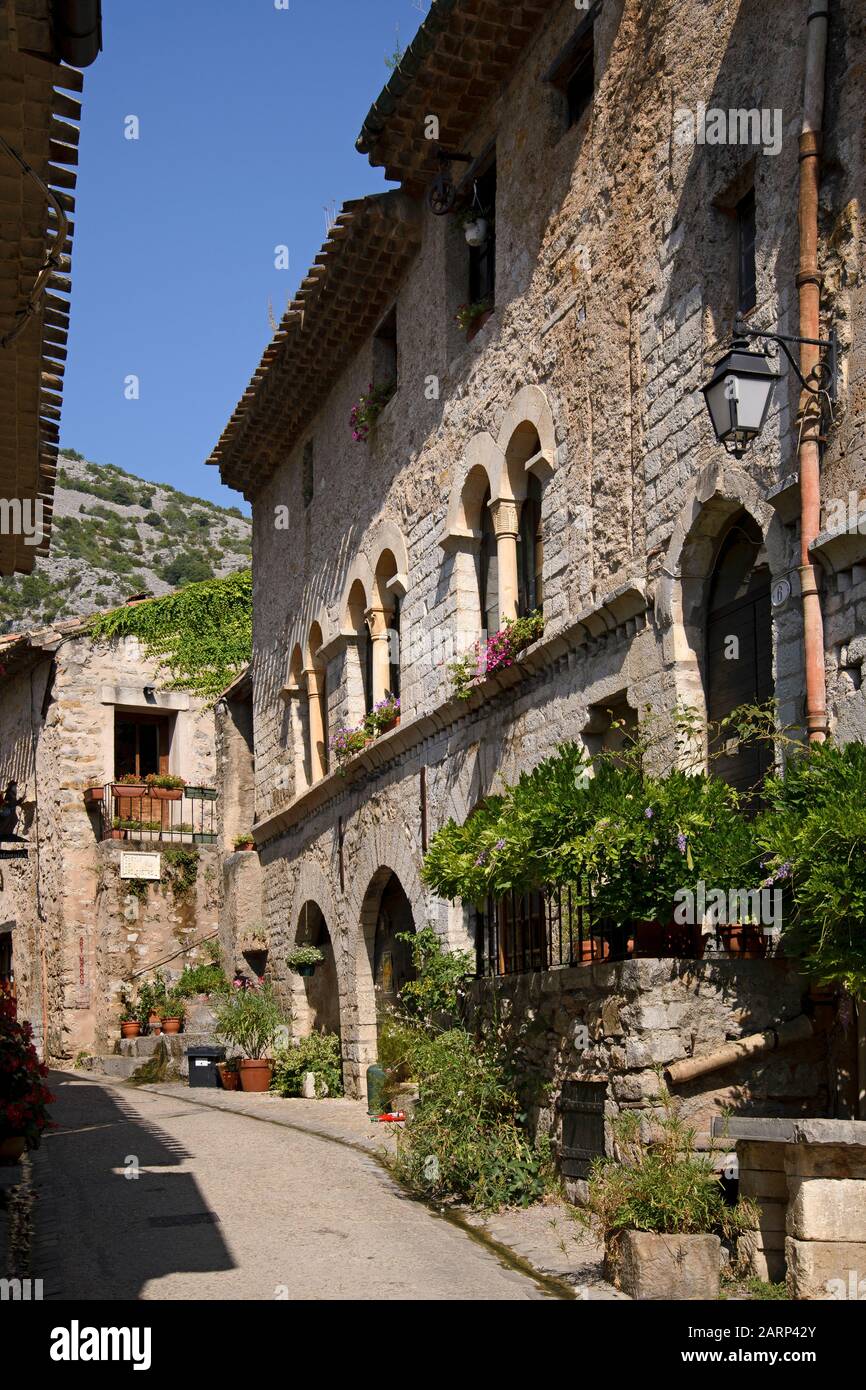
{"points": [[132, 791], [204, 837], [165, 793], [93, 796], [200, 793]]}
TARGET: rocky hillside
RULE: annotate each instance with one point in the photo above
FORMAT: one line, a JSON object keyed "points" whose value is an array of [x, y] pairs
{"points": [[115, 535]]}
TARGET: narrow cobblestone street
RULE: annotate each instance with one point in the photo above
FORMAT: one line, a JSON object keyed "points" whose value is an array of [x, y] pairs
{"points": [[228, 1207]]}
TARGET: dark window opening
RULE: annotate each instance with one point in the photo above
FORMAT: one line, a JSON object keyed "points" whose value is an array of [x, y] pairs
{"points": [[530, 551], [394, 648], [367, 666], [308, 482], [488, 571], [747, 288], [141, 744], [573, 73], [385, 351], [482, 259]]}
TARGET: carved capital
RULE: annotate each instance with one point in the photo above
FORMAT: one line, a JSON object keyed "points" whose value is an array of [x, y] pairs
{"points": [[504, 515]]}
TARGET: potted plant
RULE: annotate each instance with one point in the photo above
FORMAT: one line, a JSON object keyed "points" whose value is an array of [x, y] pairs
{"points": [[661, 1211], [164, 786], [130, 1025], [174, 1010], [129, 786], [347, 743], [151, 1005], [304, 959], [229, 1074], [471, 318], [117, 832], [244, 841], [383, 716], [368, 409], [250, 1019], [24, 1098]]}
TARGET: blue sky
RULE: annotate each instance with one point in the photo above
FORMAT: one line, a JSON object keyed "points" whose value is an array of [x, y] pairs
{"points": [[248, 117]]}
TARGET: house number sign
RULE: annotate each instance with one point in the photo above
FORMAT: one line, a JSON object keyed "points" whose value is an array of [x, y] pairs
{"points": [[141, 866]]}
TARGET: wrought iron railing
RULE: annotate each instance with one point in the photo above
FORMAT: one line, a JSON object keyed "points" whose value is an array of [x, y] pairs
{"points": [[186, 815], [556, 926]]}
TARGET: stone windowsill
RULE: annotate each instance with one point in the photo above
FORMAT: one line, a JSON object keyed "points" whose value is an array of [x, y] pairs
{"points": [[626, 601]]}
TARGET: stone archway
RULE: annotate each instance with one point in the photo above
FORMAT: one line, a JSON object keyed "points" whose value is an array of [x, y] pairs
{"points": [[316, 1002], [383, 963]]}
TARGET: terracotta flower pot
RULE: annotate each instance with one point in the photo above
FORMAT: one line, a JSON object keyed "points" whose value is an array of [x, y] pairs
{"points": [[746, 942], [171, 1025], [246, 845], [116, 834], [229, 1080], [666, 941], [154, 1024], [166, 793], [130, 1029], [256, 1073], [592, 949], [12, 1147]]}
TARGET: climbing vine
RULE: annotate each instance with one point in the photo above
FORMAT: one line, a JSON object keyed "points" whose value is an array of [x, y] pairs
{"points": [[202, 634], [180, 869]]}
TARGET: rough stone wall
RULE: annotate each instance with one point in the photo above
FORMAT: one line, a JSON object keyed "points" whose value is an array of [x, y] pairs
{"points": [[134, 934], [615, 276], [67, 745], [622, 1024]]}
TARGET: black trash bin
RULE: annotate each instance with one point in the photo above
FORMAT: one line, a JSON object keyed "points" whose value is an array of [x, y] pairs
{"points": [[203, 1065]]}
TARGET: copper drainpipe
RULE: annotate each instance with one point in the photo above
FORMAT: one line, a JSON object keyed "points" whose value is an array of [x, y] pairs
{"points": [[809, 418]]}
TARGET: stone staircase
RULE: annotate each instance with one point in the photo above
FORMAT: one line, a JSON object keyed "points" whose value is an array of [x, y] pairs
{"points": [[169, 1049]]}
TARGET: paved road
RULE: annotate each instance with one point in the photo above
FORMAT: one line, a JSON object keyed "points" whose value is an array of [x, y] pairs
{"points": [[228, 1207]]}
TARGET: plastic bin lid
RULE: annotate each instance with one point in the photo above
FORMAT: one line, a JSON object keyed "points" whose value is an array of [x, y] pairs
{"points": [[206, 1051]]}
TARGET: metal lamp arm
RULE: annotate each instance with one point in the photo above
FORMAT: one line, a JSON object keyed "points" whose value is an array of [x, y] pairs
{"points": [[825, 367]]}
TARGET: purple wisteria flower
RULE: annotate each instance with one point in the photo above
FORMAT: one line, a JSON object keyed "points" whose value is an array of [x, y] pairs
{"points": [[649, 812], [681, 843], [500, 844]]}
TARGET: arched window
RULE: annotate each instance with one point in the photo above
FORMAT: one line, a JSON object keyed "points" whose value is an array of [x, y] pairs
{"points": [[530, 555], [488, 570], [738, 667], [366, 654]]}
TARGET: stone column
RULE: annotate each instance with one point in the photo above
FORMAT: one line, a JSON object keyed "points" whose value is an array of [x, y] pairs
{"points": [[505, 524], [378, 621], [315, 680]]}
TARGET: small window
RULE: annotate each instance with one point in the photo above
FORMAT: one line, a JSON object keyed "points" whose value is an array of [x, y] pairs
{"points": [[573, 73], [482, 259], [141, 743], [308, 481], [385, 351], [747, 293], [488, 571], [530, 553], [394, 648]]}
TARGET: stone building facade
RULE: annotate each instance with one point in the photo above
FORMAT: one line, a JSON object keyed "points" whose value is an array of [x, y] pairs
{"points": [[559, 453], [76, 713]]}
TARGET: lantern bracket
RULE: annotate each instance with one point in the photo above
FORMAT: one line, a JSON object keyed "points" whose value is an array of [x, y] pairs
{"points": [[826, 369]]}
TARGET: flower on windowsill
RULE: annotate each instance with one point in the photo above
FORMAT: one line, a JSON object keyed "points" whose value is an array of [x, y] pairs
{"points": [[496, 654], [469, 314], [368, 408]]}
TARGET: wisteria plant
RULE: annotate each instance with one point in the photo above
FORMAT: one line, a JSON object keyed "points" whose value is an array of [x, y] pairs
{"points": [[368, 408]]}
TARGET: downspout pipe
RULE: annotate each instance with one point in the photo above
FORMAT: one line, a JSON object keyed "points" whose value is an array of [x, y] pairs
{"points": [[809, 414]]}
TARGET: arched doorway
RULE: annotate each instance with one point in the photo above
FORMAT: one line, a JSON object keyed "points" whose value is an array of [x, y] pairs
{"points": [[321, 989], [392, 957], [738, 667]]}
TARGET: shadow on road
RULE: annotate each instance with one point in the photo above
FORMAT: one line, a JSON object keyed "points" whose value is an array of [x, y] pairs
{"points": [[124, 1215]]}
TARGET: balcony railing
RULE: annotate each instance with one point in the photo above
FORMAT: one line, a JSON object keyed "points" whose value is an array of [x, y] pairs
{"points": [[186, 815], [555, 927]]}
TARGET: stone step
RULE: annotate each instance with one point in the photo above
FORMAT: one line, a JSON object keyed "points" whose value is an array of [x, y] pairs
{"points": [[177, 1043], [115, 1066]]}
